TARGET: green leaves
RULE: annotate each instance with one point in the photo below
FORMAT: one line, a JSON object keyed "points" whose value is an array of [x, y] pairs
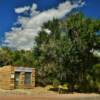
{"points": [[64, 54], [16, 58], [5, 57]]}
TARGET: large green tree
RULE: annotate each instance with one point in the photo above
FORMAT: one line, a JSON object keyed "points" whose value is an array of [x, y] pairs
{"points": [[65, 53], [82, 33]]}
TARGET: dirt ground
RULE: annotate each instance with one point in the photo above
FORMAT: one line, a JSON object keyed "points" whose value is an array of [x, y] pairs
{"points": [[51, 97], [43, 93]]}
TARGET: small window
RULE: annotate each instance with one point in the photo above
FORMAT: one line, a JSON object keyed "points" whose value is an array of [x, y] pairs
{"points": [[27, 79]]}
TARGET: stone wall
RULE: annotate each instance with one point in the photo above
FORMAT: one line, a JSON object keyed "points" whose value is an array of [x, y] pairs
{"points": [[7, 78]]}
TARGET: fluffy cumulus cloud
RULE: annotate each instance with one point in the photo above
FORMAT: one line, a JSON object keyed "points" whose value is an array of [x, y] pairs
{"points": [[23, 37], [23, 9]]}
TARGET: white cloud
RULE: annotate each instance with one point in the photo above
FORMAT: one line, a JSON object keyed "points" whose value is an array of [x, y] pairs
{"points": [[25, 8], [23, 37], [22, 9]]}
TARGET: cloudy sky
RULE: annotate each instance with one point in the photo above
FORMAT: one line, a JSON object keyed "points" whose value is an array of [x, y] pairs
{"points": [[21, 20]]}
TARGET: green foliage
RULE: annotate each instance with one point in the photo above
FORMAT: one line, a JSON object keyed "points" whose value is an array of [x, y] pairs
{"points": [[96, 76], [96, 71], [65, 53], [16, 58], [23, 58], [5, 57], [56, 83]]}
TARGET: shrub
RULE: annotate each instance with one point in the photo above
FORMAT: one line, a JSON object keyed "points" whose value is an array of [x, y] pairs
{"points": [[56, 83]]}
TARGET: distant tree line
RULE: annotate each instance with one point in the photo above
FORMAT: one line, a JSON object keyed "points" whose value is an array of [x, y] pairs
{"points": [[16, 57]]}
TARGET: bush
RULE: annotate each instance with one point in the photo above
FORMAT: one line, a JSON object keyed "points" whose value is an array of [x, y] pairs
{"points": [[56, 83]]}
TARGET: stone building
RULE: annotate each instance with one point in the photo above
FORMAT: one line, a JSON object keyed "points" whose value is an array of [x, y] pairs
{"points": [[17, 77]]}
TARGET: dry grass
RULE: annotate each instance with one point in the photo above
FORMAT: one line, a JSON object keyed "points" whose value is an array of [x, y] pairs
{"points": [[35, 91], [41, 91]]}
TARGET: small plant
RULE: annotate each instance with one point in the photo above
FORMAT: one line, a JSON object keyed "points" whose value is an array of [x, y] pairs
{"points": [[56, 83]]}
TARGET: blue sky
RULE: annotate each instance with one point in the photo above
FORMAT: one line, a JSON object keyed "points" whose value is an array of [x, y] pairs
{"points": [[8, 15], [92, 8]]}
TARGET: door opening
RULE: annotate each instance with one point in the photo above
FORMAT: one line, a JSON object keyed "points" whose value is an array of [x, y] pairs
{"points": [[27, 78], [17, 79]]}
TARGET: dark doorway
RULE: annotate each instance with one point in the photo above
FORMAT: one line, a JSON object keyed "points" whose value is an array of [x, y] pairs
{"points": [[27, 78], [17, 79]]}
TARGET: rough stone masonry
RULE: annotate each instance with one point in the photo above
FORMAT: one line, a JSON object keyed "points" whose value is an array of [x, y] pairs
{"points": [[12, 77]]}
